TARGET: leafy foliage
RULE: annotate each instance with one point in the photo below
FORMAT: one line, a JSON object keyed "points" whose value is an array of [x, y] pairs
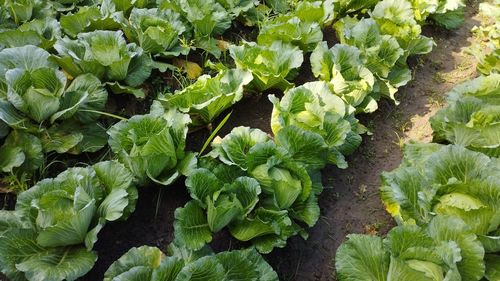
{"points": [[447, 13], [152, 146], [444, 250], [397, 18], [488, 51], [252, 186], [272, 66], [381, 54], [209, 96], [51, 232], [301, 27], [156, 31], [448, 180], [471, 119], [149, 263], [315, 108], [43, 114], [343, 67], [105, 54]]}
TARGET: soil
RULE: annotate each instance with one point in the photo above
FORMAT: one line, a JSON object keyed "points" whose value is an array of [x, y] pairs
{"points": [[350, 202]]}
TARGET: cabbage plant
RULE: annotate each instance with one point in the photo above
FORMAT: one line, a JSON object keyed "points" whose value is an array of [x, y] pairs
{"points": [[472, 116], [272, 66], [315, 108], [291, 30], [343, 66], [92, 18], [487, 52], [43, 113], [207, 19], [447, 13], [254, 187], [446, 180], [150, 263], [106, 55], [156, 31], [446, 249], [51, 233], [152, 145], [209, 96], [38, 32], [381, 54], [397, 18]]}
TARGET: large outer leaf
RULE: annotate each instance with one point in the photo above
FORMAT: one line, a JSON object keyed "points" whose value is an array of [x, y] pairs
{"points": [[263, 223], [21, 150], [35, 93], [362, 258], [26, 57], [144, 256], [245, 265], [202, 185], [12, 117], [90, 18], [95, 99], [444, 228], [67, 229], [191, 226], [22, 258], [223, 210], [307, 148], [492, 267]]}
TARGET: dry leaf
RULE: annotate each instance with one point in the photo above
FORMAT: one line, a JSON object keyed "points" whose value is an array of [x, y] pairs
{"points": [[192, 69]]}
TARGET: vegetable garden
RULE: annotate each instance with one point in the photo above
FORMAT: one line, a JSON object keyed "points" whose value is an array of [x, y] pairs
{"points": [[198, 140]]}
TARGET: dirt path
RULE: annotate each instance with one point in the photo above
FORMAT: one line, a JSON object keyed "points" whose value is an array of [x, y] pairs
{"points": [[352, 203]]}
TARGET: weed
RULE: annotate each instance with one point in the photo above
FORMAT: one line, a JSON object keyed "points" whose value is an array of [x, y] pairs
{"points": [[362, 192]]}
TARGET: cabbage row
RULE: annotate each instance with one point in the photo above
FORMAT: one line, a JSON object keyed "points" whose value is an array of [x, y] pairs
{"points": [[55, 76], [444, 197]]}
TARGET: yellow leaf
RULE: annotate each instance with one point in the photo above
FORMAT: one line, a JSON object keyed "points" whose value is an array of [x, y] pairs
{"points": [[393, 209], [222, 45], [192, 69]]}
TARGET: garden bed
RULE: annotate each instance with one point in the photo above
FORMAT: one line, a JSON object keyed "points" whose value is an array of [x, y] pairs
{"points": [[350, 203]]}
